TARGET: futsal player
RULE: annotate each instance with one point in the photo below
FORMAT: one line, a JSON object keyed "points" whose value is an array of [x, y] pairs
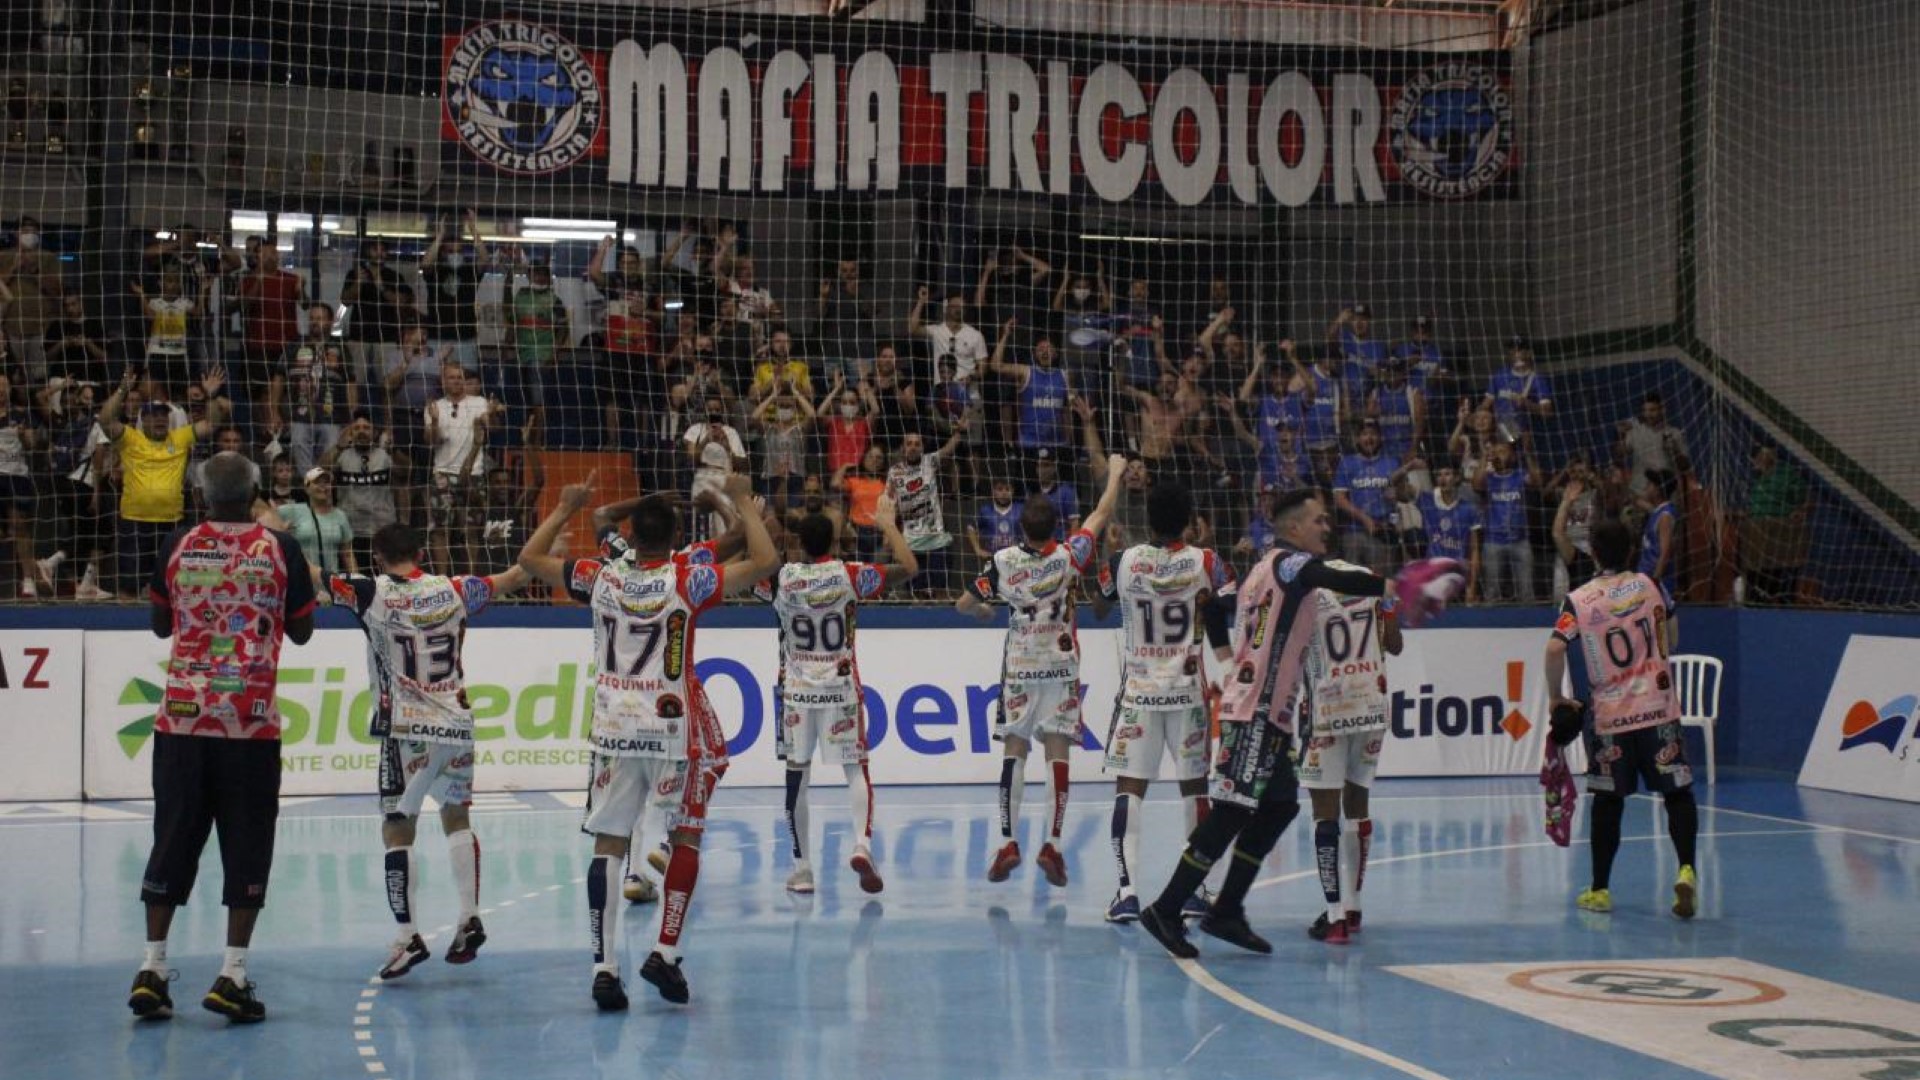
{"points": [[1631, 719], [817, 604], [1040, 664], [645, 606], [416, 626]]}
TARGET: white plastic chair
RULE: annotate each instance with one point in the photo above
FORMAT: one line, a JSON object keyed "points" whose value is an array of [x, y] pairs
{"points": [[1697, 682]]}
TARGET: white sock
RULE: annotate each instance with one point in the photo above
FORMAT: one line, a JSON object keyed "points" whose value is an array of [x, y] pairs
{"points": [[156, 959], [1350, 864], [1016, 792], [234, 964], [860, 793], [464, 848]]}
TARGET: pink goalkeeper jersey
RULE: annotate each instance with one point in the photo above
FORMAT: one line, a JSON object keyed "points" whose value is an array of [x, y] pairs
{"points": [[1621, 623], [1275, 624]]}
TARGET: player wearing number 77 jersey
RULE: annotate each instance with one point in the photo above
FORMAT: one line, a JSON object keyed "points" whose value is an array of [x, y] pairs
{"points": [[1040, 667], [820, 696], [1620, 619], [416, 624], [650, 749], [1254, 793]]}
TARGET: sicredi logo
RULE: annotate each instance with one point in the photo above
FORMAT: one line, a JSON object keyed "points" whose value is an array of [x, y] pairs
{"points": [[1425, 714], [1865, 725]]}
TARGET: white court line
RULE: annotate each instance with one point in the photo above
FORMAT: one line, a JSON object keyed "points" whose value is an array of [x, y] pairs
{"points": [[1814, 824], [1228, 994]]}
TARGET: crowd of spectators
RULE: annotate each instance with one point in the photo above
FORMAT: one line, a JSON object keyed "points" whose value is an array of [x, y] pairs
{"points": [[391, 402]]}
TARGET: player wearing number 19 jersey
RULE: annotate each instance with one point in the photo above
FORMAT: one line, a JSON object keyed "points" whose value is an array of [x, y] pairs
{"points": [[1168, 592], [1040, 667], [416, 624], [820, 696], [1633, 732], [1343, 721], [649, 749]]}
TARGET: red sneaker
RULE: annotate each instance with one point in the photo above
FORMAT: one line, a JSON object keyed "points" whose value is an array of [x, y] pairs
{"points": [[1005, 860], [1353, 922], [1324, 929], [1052, 864], [862, 864]]}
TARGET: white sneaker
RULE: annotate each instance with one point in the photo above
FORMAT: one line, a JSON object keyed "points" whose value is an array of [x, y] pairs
{"points": [[90, 590], [27, 591], [50, 566], [801, 881]]}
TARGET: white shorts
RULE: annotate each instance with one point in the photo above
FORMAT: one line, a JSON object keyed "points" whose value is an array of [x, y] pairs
{"points": [[1330, 762], [1139, 737], [624, 788], [1037, 708], [838, 730], [411, 772]]}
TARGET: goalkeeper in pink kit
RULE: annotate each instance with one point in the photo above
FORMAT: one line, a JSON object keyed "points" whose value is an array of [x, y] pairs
{"points": [[1254, 793]]}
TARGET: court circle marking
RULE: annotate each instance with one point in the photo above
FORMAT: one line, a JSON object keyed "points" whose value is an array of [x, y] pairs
{"points": [[1763, 993]]}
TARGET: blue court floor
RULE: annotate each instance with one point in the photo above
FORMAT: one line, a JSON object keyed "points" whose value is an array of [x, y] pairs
{"points": [[945, 975]]}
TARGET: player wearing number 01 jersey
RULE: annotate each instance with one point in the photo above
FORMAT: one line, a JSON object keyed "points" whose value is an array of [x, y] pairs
{"points": [[1167, 592], [1620, 619], [1254, 793], [1343, 721], [1040, 668], [651, 751], [415, 624], [820, 696]]}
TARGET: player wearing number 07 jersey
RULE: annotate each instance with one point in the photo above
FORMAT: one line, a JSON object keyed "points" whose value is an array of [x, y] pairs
{"points": [[1167, 592], [416, 624], [1620, 619], [1343, 721], [650, 749], [1040, 667], [1253, 789], [820, 696]]}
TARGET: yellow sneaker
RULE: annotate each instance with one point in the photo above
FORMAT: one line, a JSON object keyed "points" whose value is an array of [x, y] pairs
{"points": [[1599, 900], [1685, 890]]}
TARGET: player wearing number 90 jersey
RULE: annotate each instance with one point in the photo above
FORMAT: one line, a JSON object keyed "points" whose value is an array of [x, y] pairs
{"points": [[1620, 618], [416, 625], [1167, 592], [820, 696], [648, 750]]}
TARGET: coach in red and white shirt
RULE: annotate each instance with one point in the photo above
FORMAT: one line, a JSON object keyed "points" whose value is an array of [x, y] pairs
{"points": [[226, 592]]}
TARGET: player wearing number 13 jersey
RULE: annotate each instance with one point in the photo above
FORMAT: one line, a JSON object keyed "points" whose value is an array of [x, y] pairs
{"points": [[648, 749], [1040, 668], [415, 624], [1633, 730], [1167, 592], [820, 696]]}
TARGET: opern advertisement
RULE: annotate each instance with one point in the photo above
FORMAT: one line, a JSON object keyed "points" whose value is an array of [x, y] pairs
{"points": [[1867, 742], [686, 104], [40, 714], [1465, 702]]}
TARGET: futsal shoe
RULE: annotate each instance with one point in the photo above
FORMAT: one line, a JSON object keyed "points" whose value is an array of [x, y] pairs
{"points": [[233, 1001], [666, 978], [149, 999], [639, 889], [608, 994], [657, 858], [1329, 931], [1053, 865], [1233, 930], [862, 864], [800, 882], [467, 941], [1600, 901], [406, 956], [1124, 909], [1169, 930], [1685, 890], [1004, 861], [1197, 905]]}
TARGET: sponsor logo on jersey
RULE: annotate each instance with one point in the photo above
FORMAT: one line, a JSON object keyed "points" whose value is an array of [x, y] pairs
{"points": [[702, 583], [868, 581], [676, 657], [1080, 548], [1566, 625], [342, 592], [584, 573], [669, 707], [641, 745]]}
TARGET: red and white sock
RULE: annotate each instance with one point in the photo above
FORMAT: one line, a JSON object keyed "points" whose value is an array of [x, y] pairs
{"points": [[683, 872], [464, 848], [1057, 797]]}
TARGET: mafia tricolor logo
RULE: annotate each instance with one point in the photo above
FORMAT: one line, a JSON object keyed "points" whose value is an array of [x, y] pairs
{"points": [[1453, 130], [523, 98]]}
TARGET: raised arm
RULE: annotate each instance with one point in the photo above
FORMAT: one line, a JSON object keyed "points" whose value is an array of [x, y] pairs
{"points": [[110, 424], [905, 564], [535, 557], [997, 362], [1109, 498], [740, 574], [919, 308], [215, 378]]}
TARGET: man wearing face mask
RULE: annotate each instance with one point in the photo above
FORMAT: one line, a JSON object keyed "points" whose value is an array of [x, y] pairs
{"points": [[453, 272], [716, 450], [363, 483], [33, 275]]}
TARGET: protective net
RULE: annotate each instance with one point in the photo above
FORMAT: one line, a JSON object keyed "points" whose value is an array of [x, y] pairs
{"points": [[1485, 272]]}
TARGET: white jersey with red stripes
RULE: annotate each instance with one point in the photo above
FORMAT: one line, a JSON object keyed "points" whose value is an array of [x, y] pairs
{"points": [[416, 624], [644, 615], [1346, 684], [817, 605], [1161, 591]]}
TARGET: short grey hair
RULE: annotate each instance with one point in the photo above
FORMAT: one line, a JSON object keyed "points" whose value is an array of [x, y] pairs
{"points": [[230, 479]]}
